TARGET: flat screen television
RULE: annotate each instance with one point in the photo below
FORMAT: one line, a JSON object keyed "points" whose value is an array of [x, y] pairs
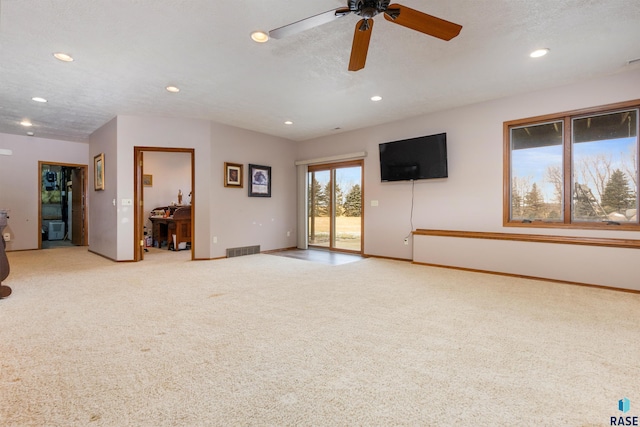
{"points": [[424, 157]]}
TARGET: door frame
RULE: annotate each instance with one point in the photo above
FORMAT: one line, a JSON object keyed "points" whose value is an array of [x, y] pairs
{"points": [[331, 167], [138, 191], [85, 225]]}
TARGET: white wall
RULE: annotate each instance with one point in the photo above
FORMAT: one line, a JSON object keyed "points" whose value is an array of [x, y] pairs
{"points": [[20, 181], [169, 133], [237, 219], [595, 265], [471, 198], [225, 213], [103, 206], [171, 172]]}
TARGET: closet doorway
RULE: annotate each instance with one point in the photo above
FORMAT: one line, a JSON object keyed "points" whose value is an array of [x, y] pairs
{"points": [[62, 205], [335, 207]]}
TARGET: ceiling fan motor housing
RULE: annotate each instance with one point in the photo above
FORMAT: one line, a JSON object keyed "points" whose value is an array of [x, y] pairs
{"points": [[368, 8]]}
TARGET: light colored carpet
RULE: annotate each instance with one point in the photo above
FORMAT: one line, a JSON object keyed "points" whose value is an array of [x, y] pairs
{"points": [[272, 341]]}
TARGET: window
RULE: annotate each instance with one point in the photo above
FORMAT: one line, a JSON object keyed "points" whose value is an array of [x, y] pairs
{"points": [[576, 169]]}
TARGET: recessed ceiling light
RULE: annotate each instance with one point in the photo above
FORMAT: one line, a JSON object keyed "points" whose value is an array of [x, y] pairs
{"points": [[376, 98], [172, 89], [63, 57], [26, 123], [538, 53], [288, 122], [38, 99], [260, 37]]}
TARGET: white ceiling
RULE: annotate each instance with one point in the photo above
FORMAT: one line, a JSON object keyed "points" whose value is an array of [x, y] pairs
{"points": [[127, 51]]}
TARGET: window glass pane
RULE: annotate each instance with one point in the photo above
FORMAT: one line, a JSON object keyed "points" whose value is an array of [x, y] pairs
{"points": [[319, 208], [536, 172], [605, 172], [348, 208]]}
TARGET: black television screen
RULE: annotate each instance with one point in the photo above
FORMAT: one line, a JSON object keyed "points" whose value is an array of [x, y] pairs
{"points": [[424, 157]]}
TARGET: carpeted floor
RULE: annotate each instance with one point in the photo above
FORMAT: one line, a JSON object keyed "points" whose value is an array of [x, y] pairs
{"points": [[273, 341]]}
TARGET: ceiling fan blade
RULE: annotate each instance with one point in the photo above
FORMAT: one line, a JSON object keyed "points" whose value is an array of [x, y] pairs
{"points": [[422, 22], [307, 23], [360, 46]]}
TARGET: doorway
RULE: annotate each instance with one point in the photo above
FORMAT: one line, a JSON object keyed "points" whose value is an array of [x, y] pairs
{"points": [[335, 208], [164, 179], [62, 219]]}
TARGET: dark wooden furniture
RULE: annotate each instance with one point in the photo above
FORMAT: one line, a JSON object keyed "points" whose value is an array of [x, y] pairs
{"points": [[178, 223]]}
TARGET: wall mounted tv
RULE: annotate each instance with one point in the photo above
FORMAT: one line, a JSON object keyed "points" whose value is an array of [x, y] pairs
{"points": [[424, 157]]}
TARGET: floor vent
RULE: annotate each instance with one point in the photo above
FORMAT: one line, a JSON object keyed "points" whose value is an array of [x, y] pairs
{"points": [[245, 250]]}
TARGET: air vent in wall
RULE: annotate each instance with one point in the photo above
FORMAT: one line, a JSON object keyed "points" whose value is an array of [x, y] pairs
{"points": [[245, 250]]}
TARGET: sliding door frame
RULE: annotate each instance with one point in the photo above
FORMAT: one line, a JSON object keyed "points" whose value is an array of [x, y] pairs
{"points": [[332, 167]]}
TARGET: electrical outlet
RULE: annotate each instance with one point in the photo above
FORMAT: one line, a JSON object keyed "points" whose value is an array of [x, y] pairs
{"points": [[215, 239], [7, 237], [288, 234], [406, 240]]}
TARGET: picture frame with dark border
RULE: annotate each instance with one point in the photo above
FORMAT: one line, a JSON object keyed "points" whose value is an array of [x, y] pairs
{"points": [[147, 180], [98, 172], [233, 175], [259, 181]]}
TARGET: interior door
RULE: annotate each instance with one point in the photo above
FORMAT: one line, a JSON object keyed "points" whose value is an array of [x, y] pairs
{"points": [[77, 206], [335, 206]]}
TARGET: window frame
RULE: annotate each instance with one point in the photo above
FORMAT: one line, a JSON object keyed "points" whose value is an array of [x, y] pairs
{"points": [[567, 118]]}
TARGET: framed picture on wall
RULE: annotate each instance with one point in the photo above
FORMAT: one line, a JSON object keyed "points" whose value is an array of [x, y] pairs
{"points": [[232, 175], [98, 172], [147, 180], [259, 181]]}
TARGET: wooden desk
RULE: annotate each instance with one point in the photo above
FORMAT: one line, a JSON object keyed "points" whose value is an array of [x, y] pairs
{"points": [[179, 224]]}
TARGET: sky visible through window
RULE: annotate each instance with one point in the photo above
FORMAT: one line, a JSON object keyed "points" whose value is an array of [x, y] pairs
{"points": [[532, 162], [347, 177]]}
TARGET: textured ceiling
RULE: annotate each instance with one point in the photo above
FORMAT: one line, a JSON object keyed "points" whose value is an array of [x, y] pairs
{"points": [[127, 51]]}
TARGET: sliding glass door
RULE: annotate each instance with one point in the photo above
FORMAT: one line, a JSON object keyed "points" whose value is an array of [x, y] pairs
{"points": [[335, 206]]}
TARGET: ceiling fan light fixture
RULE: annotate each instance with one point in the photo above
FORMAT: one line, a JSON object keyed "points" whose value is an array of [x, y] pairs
{"points": [[63, 57], [538, 53], [260, 37]]}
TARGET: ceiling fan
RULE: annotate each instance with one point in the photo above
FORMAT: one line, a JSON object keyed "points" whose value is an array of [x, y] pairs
{"points": [[367, 9]]}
